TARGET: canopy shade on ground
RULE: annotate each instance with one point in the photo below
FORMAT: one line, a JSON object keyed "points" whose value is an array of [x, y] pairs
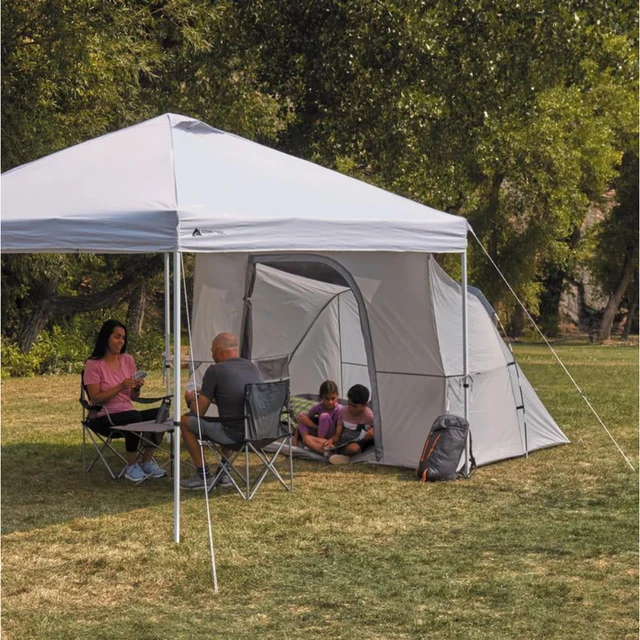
{"points": [[173, 183]]}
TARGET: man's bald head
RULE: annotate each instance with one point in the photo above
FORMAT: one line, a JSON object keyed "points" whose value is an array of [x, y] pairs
{"points": [[224, 346]]}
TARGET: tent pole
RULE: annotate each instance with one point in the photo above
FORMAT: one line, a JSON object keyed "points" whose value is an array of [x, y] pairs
{"points": [[176, 396], [465, 360]]}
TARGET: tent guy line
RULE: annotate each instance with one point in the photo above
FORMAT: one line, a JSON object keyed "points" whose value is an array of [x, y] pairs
{"points": [[214, 573]]}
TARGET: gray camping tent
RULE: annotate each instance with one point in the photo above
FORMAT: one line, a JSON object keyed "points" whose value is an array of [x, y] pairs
{"points": [[394, 326]]}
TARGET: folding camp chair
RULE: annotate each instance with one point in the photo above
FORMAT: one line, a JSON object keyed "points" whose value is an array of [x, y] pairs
{"points": [[267, 421], [103, 445]]}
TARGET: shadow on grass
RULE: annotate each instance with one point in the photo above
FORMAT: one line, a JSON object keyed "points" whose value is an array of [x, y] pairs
{"points": [[44, 484]]}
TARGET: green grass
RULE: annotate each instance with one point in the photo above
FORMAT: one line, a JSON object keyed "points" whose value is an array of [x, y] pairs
{"points": [[540, 548]]}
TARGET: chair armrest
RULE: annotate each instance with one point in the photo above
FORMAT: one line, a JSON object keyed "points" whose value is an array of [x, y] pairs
{"points": [[95, 408], [151, 400]]}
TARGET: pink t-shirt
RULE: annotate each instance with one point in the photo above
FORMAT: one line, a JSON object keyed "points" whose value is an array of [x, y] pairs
{"points": [[98, 372]]}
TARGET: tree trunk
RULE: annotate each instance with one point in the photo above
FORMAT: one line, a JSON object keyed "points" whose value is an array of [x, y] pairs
{"points": [[633, 306], [37, 320], [616, 296], [135, 312], [517, 322], [47, 303]]}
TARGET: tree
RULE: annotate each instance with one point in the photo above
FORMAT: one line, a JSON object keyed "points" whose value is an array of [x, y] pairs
{"points": [[73, 72], [615, 260], [512, 115]]}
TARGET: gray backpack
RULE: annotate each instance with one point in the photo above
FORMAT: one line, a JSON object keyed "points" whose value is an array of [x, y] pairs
{"points": [[443, 449]]}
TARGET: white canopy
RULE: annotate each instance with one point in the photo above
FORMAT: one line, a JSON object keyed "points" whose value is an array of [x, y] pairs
{"points": [[173, 183]]}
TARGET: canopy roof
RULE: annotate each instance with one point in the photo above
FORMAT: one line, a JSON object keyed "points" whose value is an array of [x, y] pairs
{"points": [[174, 183]]}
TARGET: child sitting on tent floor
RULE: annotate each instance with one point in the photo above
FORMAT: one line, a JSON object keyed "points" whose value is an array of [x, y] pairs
{"points": [[355, 427], [318, 425]]}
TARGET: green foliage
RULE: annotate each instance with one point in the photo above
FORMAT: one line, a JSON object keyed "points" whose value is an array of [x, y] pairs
{"points": [[58, 350], [73, 72], [148, 350], [65, 348], [514, 115]]}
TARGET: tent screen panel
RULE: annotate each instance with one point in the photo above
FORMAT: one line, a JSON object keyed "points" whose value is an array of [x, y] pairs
{"points": [[316, 324]]}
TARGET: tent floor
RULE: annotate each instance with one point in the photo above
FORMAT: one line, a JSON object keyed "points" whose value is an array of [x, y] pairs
{"points": [[306, 454]]}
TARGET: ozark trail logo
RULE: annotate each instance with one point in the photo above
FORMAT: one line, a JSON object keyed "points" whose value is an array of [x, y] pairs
{"points": [[207, 232]]}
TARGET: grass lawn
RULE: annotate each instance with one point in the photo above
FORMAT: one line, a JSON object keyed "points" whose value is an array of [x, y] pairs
{"points": [[545, 547]]}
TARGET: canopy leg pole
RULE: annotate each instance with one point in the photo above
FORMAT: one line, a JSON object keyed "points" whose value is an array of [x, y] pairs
{"points": [[465, 362], [176, 396], [166, 374], [167, 323]]}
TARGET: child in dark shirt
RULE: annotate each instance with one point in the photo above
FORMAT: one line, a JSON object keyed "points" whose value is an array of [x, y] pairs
{"points": [[355, 427]]}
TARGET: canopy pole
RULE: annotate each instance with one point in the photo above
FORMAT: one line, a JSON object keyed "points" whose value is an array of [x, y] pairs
{"points": [[465, 362], [176, 396], [167, 323]]}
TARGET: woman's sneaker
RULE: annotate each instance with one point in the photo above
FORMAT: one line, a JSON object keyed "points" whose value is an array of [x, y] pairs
{"points": [[134, 473], [152, 470]]}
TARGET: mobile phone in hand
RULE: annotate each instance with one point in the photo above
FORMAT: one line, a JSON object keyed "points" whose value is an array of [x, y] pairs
{"points": [[139, 375]]}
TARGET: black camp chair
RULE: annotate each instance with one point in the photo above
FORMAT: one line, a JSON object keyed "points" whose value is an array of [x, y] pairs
{"points": [[267, 421], [149, 432]]}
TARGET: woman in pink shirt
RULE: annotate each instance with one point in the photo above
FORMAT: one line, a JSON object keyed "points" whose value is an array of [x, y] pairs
{"points": [[108, 377]]}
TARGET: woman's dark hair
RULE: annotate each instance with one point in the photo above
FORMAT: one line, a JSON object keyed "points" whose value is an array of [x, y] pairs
{"points": [[358, 394], [327, 387], [102, 341]]}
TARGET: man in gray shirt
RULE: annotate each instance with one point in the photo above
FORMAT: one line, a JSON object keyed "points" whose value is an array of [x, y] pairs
{"points": [[223, 384]]}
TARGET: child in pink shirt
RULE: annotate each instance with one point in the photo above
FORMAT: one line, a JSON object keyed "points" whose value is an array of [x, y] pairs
{"points": [[318, 425]]}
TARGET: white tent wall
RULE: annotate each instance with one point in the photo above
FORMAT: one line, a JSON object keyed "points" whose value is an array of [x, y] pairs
{"points": [[396, 291], [485, 352], [317, 325], [493, 422], [542, 429], [317, 356], [496, 415], [288, 308]]}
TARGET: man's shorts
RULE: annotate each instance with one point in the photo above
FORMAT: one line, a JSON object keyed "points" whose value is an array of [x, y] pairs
{"points": [[215, 430]]}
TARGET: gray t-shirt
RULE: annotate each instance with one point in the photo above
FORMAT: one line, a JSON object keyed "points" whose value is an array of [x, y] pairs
{"points": [[224, 382]]}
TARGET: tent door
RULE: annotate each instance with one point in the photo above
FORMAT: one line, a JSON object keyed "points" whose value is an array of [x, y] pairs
{"points": [[347, 300]]}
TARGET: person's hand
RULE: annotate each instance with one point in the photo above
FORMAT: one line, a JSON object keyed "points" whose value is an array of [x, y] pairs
{"points": [[304, 419], [328, 444], [190, 395], [129, 383], [139, 382]]}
